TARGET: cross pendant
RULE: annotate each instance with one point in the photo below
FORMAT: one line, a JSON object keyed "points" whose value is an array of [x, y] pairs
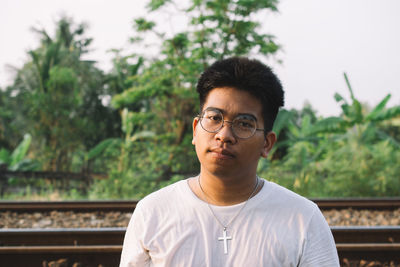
{"points": [[225, 238]]}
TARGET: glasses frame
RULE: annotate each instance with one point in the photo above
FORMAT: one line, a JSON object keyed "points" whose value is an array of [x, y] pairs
{"points": [[201, 116]]}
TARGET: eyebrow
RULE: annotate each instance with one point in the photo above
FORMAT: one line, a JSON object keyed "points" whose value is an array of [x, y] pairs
{"points": [[239, 114]]}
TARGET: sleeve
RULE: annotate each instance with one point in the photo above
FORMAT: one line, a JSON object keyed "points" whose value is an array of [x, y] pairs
{"points": [[319, 247], [133, 251]]}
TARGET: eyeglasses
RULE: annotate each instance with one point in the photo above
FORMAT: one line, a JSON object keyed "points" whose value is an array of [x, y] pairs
{"points": [[243, 126]]}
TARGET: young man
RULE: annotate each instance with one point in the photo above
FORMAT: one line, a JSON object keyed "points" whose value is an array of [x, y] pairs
{"points": [[227, 215]]}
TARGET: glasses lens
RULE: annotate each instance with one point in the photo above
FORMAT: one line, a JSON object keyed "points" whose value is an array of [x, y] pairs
{"points": [[211, 120], [244, 126]]}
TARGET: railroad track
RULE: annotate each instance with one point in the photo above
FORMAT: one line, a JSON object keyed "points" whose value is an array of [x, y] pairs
{"points": [[114, 236], [94, 246], [129, 206], [30, 247]]}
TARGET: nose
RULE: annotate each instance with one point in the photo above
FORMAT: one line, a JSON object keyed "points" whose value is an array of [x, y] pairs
{"points": [[225, 134]]}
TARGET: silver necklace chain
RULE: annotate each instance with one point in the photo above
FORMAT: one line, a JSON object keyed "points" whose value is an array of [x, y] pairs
{"points": [[234, 217]]}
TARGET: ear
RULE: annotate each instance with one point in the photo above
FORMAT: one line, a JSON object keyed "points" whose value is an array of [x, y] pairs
{"points": [[194, 125], [269, 141]]}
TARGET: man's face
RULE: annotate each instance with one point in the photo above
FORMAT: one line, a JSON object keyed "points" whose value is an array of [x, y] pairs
{"points": [[222, 153]]}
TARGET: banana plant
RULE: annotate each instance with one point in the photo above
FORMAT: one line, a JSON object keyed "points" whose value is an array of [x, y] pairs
{"points": [[130, 121], [16, 160], [356, 118]]}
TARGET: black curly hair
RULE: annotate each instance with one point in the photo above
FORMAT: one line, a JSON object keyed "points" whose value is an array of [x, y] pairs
{"points": [[248, 75]]}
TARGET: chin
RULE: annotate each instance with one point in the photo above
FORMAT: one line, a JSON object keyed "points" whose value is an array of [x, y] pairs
{"points": [[221, 170]]}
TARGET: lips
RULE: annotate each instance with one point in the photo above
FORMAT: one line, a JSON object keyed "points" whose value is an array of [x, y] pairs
{"points": [[221, 153]]}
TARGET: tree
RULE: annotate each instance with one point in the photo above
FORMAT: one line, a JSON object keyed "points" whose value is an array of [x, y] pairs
{"points": [[8, 132], [60, 97], [161, 98]]}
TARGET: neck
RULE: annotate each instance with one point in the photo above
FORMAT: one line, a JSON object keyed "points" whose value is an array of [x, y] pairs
{"points": [[224, 191]]}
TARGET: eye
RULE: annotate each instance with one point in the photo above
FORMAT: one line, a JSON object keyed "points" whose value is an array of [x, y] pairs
{"points": [[215, 117], [244, 124]]}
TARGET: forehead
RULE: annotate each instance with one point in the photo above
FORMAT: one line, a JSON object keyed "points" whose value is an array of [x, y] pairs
{"points": [[233, 101]]}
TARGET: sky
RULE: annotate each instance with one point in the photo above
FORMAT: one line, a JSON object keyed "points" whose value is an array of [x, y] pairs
{"points": [[320, 41]]}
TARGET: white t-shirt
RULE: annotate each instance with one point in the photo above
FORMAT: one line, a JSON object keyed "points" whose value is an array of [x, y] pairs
{"points": [[173, 227]]}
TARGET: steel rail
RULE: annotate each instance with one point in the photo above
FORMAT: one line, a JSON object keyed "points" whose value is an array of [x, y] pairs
{"points": [[62, 236], [78, 206], [22, 247], [382, 252], [366, 234], [387, 203], [60, 249], [129, 205], [114, 236], [94, 255], [109, 255]]}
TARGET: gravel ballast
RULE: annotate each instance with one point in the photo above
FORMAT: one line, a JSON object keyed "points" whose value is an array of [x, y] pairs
{"points": [[69, 219]]}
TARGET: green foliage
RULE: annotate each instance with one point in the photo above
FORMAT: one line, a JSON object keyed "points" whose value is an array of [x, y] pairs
{"points": [[17, 159], [56, 96], [158, 107], [347, 169], [354, 155], [4, 156], [142, 137], [143, 25], [20, 152], [102, 146], [359, 170], [161, 101]]}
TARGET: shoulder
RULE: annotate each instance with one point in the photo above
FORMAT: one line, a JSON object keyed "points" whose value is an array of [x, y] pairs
{"points": [[164, 205], [164, 196], [284, 199], [285, 206]]}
